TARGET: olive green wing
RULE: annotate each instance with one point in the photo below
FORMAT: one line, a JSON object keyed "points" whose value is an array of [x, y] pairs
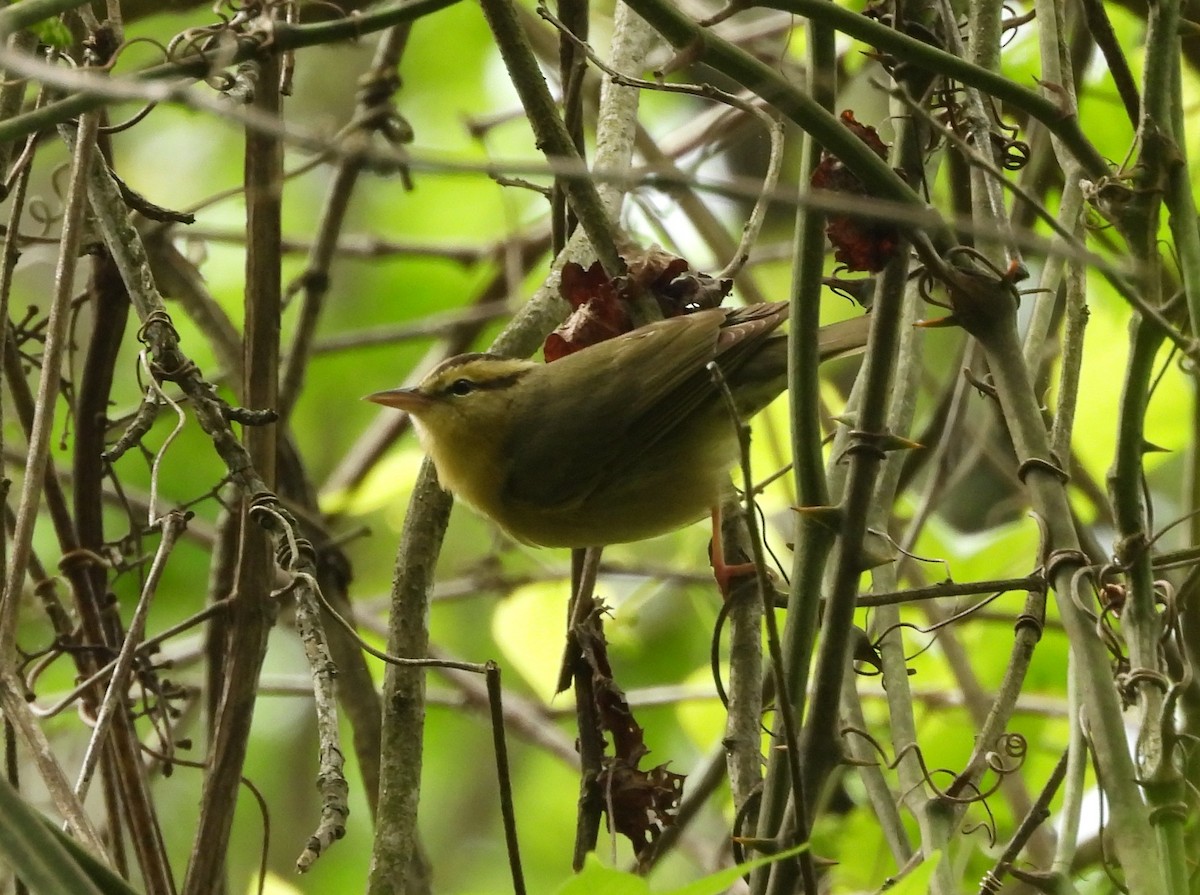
{"points": [[583, 414], [602, 409]]}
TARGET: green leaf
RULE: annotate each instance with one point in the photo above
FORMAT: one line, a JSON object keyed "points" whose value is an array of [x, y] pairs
{"points": [[53, 32], [595, 877], [47, 860], [718, 882]]}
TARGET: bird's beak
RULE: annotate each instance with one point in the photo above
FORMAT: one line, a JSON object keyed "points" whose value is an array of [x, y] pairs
{"points": [[409, 399]]}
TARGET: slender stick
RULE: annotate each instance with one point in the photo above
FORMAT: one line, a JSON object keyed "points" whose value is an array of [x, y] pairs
{"points": [[48, 385], [504, 778]]}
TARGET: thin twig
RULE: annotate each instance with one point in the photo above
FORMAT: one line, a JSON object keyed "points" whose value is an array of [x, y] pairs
{"points": [[48, 386], [374, 113], [587, 720], [504, 778], [171, 524]]}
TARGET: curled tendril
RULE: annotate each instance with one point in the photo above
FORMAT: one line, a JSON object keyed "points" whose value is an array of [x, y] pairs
{"points": [[294, 550], [867, 738], [1009, 745], [933, 629], [714, 657], [857, 289], [925, 284], [137, 118], [38, 660], [1186, 672], [1106, 631], [157, 317], [745, 814], [43, 212], [1009, 152], [915, 557], [185, 43], [927, 777], [57, 183], [1165, 596], [715, 652], [201, 40], [1011, 22], [988, 826], [1015, 155], [39, 210], [122, 47], [1055, 559], [221, 81]]}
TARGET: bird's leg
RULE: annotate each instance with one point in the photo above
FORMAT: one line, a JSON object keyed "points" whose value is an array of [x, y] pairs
{"points": [[724, 572]]}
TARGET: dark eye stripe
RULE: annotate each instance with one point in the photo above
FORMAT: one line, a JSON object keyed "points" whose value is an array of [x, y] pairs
{"points": [[465, 385]]}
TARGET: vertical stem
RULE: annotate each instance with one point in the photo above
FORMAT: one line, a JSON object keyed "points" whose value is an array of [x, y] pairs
{"points": [[392, 860], [744, 703], [551, 133], [814, 539], [572, 68], [48, 384], [251, 609], [1131, 833]]}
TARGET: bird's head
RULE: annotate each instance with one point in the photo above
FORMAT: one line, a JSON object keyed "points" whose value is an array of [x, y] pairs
{"points": [[461, 399]]}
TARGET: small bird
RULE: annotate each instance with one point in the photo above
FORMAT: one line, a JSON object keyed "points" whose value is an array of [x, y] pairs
{"points": [[623, 440]]}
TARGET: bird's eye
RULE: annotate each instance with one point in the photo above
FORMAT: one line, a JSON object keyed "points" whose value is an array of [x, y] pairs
{"points": [[462, 387]]}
